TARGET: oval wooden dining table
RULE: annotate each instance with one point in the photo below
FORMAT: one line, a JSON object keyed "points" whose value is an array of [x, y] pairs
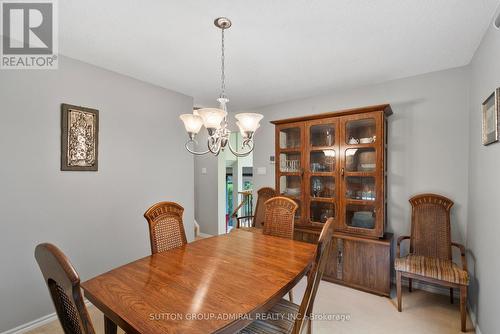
{"points": [[213, 285]]}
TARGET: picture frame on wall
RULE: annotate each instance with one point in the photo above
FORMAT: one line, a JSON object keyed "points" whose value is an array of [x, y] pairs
{"points": [[491, 107], [79, 138]]}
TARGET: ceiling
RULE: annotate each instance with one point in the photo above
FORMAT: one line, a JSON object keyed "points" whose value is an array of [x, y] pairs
{"points": [[277, 50]]}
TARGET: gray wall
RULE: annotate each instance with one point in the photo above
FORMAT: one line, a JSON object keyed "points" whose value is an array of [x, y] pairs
{"points": [[428, 139], [483, 229], [95, 217], [206, 188]]}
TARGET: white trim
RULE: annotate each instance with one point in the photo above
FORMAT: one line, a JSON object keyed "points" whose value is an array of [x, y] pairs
{"points": [[204, 235], [473, 319], [36, 323]]}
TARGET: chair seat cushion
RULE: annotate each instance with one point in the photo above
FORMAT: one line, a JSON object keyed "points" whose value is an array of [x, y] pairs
{"points": [[443, 270], [278, 320]]}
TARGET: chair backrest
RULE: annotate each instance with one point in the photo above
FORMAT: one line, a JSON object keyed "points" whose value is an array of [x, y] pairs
{"points": [[279, 217], [263, 195], [314, 277], [63, 283], [430, 226], [166, 230]]}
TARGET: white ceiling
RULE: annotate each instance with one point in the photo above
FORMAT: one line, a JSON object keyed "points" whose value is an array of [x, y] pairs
{"points": [[277, 50]]}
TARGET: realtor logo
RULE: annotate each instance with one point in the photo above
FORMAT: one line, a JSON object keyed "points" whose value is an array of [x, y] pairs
{"points": [[29, 34]]}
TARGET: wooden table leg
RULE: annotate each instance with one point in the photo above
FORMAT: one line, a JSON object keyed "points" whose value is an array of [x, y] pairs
{"points": [[109, 326]]}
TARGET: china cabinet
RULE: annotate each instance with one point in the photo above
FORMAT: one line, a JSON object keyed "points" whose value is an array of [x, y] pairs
{"points": [[334, 165]]}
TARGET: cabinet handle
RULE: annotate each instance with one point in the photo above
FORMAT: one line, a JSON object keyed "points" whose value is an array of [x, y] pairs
{"points": [[342, 171], [339, 257]]}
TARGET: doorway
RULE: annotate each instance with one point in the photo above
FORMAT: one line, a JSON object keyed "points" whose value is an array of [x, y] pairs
{"points": [[238, 184]]}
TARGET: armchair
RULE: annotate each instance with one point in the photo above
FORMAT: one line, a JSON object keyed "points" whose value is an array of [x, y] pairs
{"points": [[430, 254]]}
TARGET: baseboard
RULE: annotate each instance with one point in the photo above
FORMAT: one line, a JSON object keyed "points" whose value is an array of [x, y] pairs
{"points": [[204, 235], [36, 323], [473, 319]]}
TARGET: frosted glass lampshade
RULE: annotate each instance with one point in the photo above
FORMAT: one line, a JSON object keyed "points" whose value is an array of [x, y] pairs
{"points": [[242, 131], [192, 123], [248, 122], [212, 117]]}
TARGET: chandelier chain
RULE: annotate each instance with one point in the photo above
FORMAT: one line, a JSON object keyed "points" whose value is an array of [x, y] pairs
{"points": [[223, 73]]}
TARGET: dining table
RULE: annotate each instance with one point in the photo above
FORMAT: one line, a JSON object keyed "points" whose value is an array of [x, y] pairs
{"points": [[217, 284]]}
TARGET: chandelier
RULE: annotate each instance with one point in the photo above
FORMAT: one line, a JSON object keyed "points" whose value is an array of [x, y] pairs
{"points": [[215, 119]]}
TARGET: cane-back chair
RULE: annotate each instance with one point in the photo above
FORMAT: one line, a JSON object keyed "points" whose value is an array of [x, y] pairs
{"points": [[166, 230], [286, 317], [257, 219], [279, 217], [63, 283], [430, 254]]}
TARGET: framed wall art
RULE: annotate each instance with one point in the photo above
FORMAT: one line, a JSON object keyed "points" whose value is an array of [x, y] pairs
{"points": [[490, 118], [79, 138]]}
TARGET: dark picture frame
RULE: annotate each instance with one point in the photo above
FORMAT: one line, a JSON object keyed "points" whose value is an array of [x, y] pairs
{"points": [[79, 138], [491, 108]]}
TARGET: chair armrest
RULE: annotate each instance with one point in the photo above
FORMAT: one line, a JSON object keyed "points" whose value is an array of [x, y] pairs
{"points": [[462, 254], [401, 238]]}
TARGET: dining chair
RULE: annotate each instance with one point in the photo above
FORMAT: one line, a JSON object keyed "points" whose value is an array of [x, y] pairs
{"points": [[63, 283], [279, 216], [286, 317], [166, 230], [257, 219], [430, 254]]}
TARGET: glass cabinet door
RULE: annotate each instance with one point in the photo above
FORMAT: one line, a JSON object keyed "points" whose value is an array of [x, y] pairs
{"points": [[322, 161], [360, 188], [291, 185], [321, 172], [289, 164], [322, 135], [322, 186], [360, 216], [360, 174], [361, 131], [290, 138], [319, 212], [360, 160]]}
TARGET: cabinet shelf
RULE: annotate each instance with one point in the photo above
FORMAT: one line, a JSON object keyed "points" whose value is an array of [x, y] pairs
{"points": [[321, 148], [291, 173], [320, 173], [290, 150], [322, 199], [360, 174]]}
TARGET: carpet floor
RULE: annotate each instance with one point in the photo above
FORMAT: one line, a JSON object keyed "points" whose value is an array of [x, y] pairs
{"points": [[346, 310]]}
